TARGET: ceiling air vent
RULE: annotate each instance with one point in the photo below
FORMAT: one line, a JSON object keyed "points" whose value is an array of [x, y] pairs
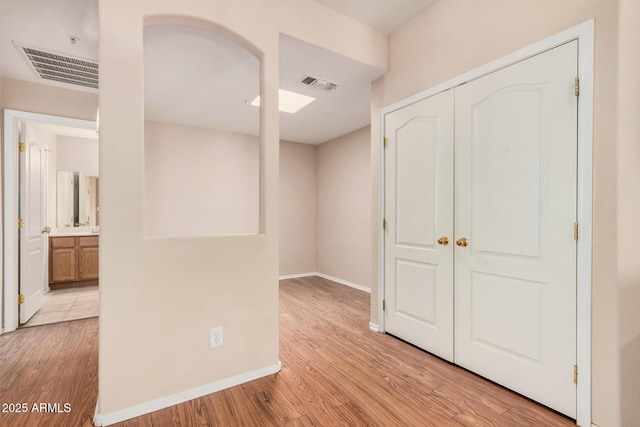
{"points": [[61, 68], [318, 83]]}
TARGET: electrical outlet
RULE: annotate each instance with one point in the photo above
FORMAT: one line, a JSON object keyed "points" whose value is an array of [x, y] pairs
{"points": [[215, 337]]}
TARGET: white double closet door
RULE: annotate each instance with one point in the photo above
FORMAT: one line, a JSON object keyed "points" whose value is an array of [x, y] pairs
{"points": [[480, 206]]}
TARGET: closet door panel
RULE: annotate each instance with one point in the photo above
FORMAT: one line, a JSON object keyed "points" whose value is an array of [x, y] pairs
{"points": [[506, 172], [419, 213], [515, 204]]}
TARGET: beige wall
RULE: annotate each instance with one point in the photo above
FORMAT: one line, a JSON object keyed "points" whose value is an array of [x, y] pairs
{"points": [[159, 297], [455, 36], [343, 228], [77, 154], [205, 182], [324, 208], [199, 182], [38, 98], [193, 177], [331, 30], [628, 231], [297, 208]]}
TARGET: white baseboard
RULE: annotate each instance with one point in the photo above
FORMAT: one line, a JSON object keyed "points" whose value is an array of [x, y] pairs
{"points": [[326, 276], [344, 282], [165, 402], [374, 327], [296, 276], [97, 418]]}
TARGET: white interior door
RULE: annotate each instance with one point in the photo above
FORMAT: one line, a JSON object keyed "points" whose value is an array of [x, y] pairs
{"points": [[515, 203], [33, 238], [419, 224]]}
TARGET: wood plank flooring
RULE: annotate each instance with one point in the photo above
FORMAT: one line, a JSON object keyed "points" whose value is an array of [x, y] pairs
{"points": [[336, 372], [50, 364]]}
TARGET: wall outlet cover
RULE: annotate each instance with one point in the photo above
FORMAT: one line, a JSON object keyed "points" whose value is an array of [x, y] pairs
{"points": [[215, 337]]}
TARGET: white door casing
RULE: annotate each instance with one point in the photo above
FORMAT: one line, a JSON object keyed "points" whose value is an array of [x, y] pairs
{"points": [[584, 34], [33, 239], [515, 202], [9, 250], [419, 224]]}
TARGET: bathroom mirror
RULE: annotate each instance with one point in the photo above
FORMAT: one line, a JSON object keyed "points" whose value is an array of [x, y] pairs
{"points": [[76, 200]]}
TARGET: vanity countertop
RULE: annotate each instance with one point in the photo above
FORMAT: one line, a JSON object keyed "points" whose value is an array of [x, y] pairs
{"points": [[74, 232], [81, 234]]}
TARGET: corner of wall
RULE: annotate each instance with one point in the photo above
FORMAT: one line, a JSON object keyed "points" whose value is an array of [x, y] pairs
{"points": [[343, 207], [628, 175]]}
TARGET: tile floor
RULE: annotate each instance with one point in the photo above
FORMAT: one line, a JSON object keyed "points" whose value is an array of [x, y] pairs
{"points": [[66, 304]]}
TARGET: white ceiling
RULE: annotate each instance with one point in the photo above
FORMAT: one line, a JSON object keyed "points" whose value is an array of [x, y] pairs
{"points": [[220, 79], [194, 77], [335, 112], [46, 24]]}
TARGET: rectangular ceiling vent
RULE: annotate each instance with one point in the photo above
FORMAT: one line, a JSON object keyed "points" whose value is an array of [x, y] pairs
{"points": [[318, 83], [61, 68]]}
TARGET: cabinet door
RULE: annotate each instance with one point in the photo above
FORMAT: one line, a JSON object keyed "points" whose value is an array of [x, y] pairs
{"points": [[63, 265], [85, 241], [87, 263]]}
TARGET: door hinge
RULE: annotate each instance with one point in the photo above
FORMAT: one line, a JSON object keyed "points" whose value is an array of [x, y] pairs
{"points": [[575, 231], [575, 374], [384, 304], [384, 142], [384, 223], [21, 223], [21, 299], [21, 147], [576, 86]]}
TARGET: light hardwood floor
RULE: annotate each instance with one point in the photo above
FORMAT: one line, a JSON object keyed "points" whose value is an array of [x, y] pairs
{"points": [[336, 372]]}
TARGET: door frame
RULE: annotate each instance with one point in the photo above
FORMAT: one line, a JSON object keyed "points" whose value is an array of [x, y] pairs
{"points": [[584, 34], [9, 214]]}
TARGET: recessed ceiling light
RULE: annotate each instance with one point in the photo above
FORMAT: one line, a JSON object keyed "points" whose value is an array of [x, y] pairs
{"points": [[289, 102]]}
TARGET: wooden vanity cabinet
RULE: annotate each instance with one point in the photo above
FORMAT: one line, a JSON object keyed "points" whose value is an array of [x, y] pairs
{"points": [[73, 259], [62, 259], [87, 248]]}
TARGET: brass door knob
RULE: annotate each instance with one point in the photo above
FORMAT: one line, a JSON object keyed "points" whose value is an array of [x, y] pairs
{"points": [[46, 230], [443, 241], [462, 242]]}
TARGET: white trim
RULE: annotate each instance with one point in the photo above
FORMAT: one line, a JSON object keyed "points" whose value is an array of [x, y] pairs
{"points": [[579, 32], [326, 276], [10, 211], [296, 276], [381, 216], [374, 327], [584, 33], [194, 393], [97, 418], [585, 220], [344, 282]]}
